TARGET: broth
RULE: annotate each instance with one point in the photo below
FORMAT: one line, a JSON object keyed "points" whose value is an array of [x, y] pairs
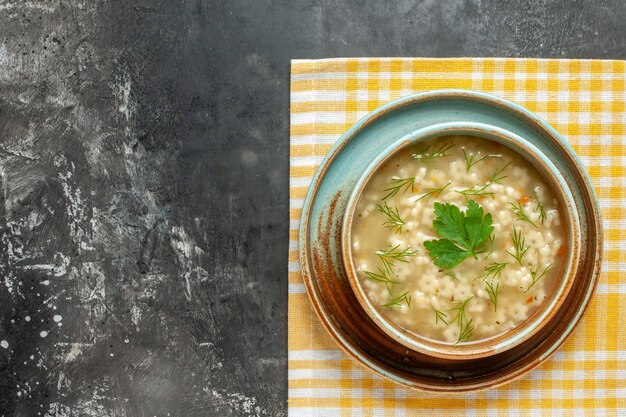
{"points": [[458, 238]]}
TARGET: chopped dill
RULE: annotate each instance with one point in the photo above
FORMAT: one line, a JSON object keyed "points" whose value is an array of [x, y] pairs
{"points": [[397, 301], [492, 291], [536, 276], [381, 276], [521, 214], [474, 191], [433, 192], [440, 316], [398, 184], [466, 327], [441, 152], [472, 159], [393, 221], [541, 210], [452, 275], [389, 256], [493, 270], [497, 176], [519, 244]]}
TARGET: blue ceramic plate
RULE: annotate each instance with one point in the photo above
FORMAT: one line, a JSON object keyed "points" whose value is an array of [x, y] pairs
{"points": [[320, 238]]}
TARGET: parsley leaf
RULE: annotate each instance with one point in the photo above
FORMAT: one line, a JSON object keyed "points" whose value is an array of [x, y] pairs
{"points": [[462, 232]]}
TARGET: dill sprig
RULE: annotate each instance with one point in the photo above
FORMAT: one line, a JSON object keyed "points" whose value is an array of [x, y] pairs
{"points": [[466, 327], [440, 316], [541, 210], [488, 255], [493, 290], [389, 256], [534, 274], [433, 191], [452, 275], [493, 270], [440, 152], [519, 244], [521, 214], [491, 239], [472, 159], [397, 301], [381, 276], [465, 331], [398, 184], [393, 221], [497, 175], [473, 191]]}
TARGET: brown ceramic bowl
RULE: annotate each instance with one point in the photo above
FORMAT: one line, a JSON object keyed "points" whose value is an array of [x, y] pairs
{"points": [[338, 300], [557, 295]]}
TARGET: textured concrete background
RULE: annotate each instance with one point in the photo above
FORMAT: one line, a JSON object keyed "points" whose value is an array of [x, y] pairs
{"points": [[144, 173]]}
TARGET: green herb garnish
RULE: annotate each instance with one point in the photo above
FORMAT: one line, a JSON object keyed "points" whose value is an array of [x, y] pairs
{"points": [[398, 184], [493, 270], [497, 175], [462, 233], [381, 276], [451, 275], [492, 291], [440, 316], [519, 244], [475, 191], [393, 221], [466, 327], [433, 191], [542, 212], [536, 276], [440, 152], [521, 214], [397, 301], [389, 256], [472, 159]]}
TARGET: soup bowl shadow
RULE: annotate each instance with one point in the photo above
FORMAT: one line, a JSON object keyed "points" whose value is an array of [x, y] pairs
{"points": [[530, 328]]}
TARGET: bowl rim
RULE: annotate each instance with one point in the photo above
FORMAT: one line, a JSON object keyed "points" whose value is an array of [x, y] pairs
{"points": [[528, 118], [560, 289]]}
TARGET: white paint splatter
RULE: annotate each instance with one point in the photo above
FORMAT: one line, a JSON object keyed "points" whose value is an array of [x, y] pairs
{"points": [[57, 318], [4, 344], [75, 205], [20, 5], [27, 318], [92, 271], [188, 254], [43, 333], [9, 284], [59, 410], [239, 402], [58, 269], [74, 352], [135, 315], [123, 94]]}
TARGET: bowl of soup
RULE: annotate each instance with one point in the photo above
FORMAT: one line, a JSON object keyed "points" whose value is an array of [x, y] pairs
{"points": [[460, 240], [450, 241]]}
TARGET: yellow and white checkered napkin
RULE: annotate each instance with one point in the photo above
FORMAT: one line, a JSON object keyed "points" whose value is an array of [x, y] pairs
{"points": [[585, 102]]}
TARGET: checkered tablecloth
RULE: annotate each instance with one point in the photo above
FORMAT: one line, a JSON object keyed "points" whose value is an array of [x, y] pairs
{"points": [[585, 101]]}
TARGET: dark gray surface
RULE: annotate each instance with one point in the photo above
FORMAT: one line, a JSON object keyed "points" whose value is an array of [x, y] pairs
{"points": [[144, 169]]}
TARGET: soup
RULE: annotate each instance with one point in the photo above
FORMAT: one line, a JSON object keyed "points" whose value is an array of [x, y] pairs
{"points": [[458, 239]]}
